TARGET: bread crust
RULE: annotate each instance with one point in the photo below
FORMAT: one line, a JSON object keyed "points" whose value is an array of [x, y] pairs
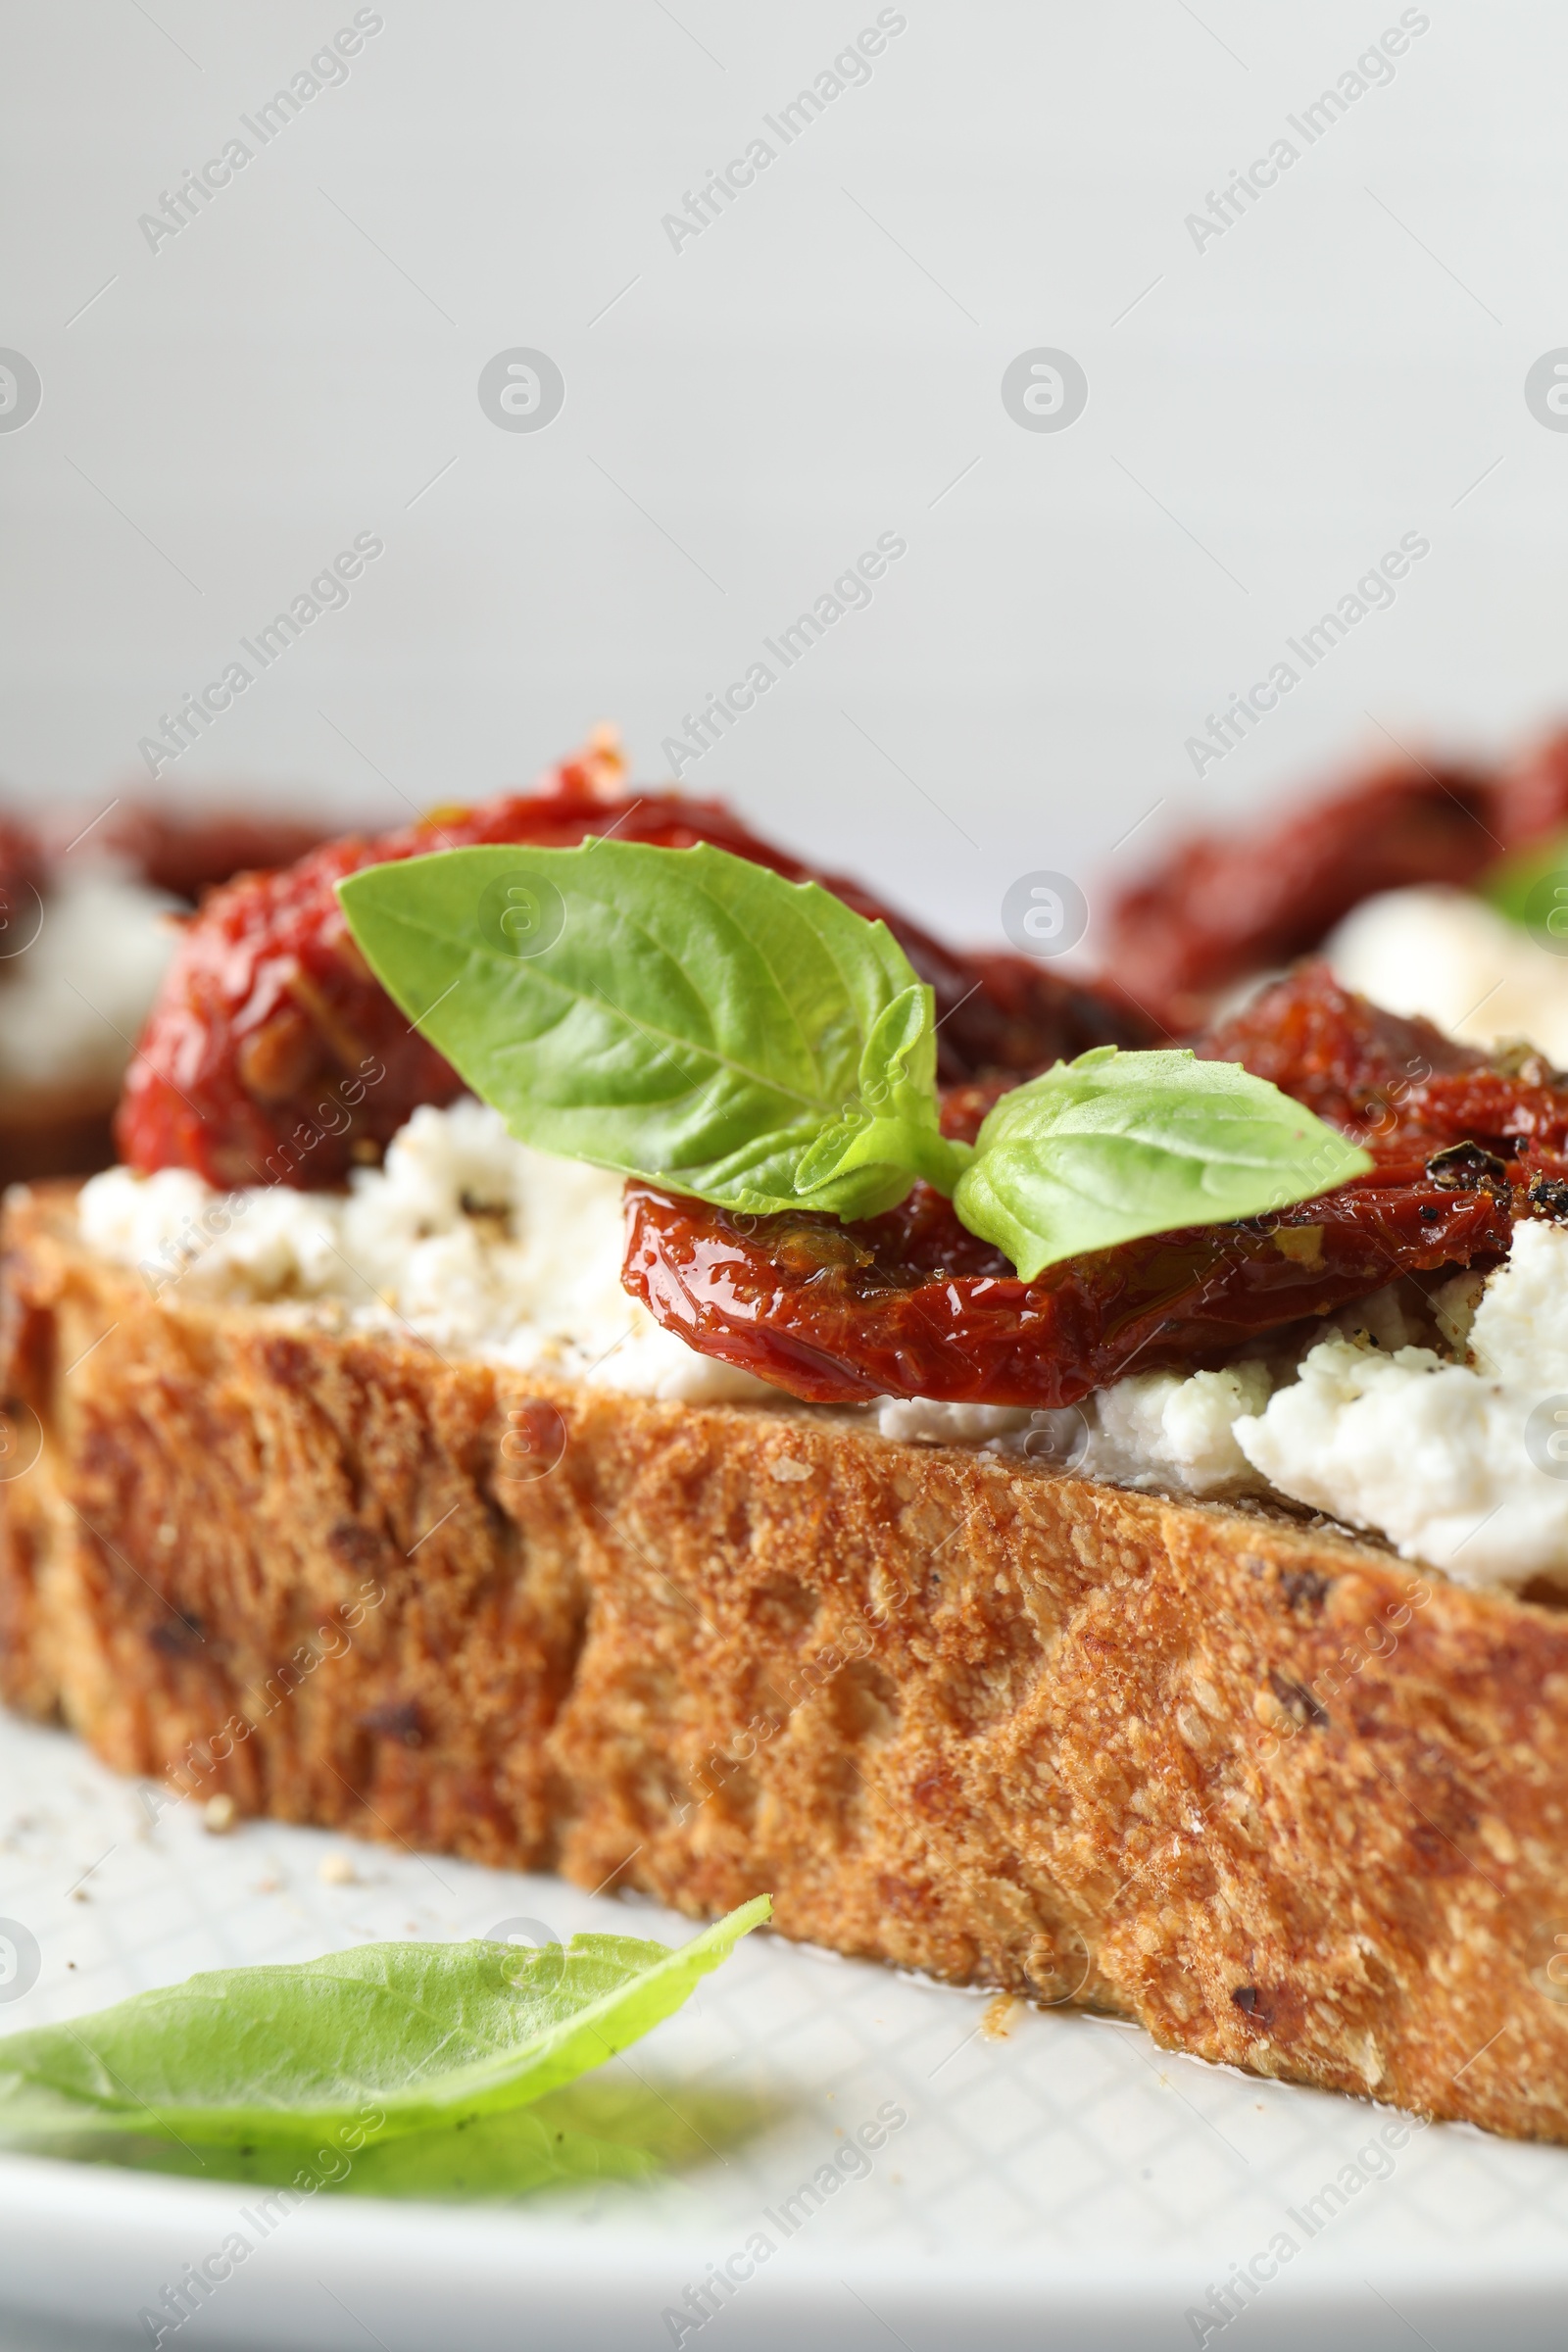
{"points": [[1267, 1790]]}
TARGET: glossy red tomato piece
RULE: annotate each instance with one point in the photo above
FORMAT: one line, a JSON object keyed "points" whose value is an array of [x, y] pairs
{"points": [[840, 1314], [1382, 1078]]}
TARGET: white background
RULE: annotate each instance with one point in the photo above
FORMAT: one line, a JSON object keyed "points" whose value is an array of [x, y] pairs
{"points": [[1265, 417]]}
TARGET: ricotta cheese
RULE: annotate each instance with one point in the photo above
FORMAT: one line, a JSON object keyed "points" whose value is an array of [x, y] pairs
{"points": [[463, 1237], [72, 997], [1459, 962], [1165, 1430], [1159, 1429], [1454, 1460]]}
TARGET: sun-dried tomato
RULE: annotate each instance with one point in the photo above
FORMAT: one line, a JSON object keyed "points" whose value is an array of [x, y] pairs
{"points": [[842, 1315], [1530, 797], [1223, 905], [911, 1304], [190, 852], [1220, 907], [1382, 1078], [272, 1054]]}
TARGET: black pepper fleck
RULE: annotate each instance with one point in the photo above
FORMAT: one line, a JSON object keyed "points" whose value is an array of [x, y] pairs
{"points": [[1466, 1167], [1549, 1197]]}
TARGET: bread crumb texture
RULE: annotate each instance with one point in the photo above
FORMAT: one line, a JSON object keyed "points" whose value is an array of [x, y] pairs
{"points": [[1262, 1788]]}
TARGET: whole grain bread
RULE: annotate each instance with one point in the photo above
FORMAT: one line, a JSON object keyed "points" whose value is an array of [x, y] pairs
{"points": [[1265, 1788]]}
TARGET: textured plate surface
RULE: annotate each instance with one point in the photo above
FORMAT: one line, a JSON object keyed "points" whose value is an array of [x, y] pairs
{"points": [[1058, 2180]]}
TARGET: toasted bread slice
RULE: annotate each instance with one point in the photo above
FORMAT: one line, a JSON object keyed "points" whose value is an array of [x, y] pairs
{"points": [[1258, 1786]]}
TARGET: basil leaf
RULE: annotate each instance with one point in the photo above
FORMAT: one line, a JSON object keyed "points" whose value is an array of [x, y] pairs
{"points": [[1114, 1146], [411, 2035], [897, 1074], [681, 1016]]}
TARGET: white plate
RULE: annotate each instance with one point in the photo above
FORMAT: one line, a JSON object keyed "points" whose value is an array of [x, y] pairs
{"points": [[1066, 2184]]}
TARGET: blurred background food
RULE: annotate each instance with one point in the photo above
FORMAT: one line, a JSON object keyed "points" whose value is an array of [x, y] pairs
{"points": [[89, 907], [1431, 888]]}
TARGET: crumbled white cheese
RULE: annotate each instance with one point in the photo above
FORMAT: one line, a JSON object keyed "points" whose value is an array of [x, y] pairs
{"points": [[1154, 1429], [78, 978], [1157, 1429], [463, 1237], [926, 1421], [1454, 959], [1456, 1462]]}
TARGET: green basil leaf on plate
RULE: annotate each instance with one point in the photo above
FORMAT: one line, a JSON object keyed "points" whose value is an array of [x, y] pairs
{"points": [[681, 1016], [1118, 1145], [368, 2043]]}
